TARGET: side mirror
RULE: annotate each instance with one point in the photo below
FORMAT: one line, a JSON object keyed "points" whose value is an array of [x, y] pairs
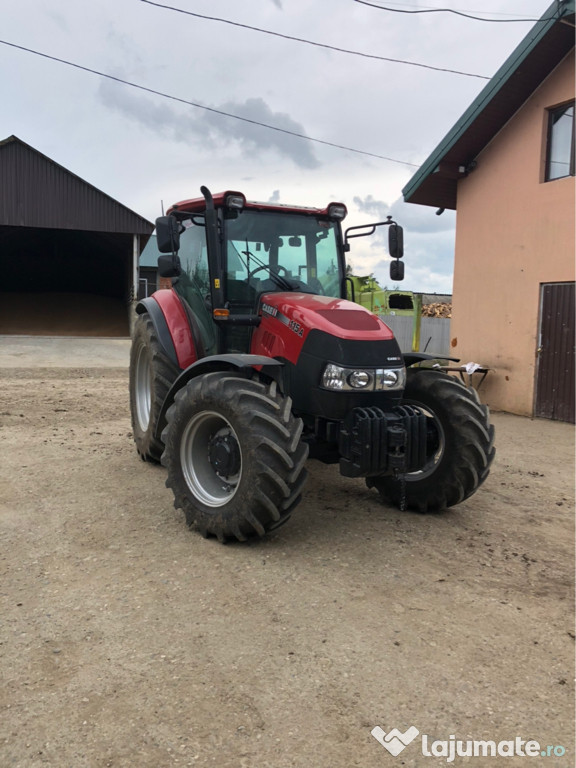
{"points": [[396, 270], [396, 241], [169, 265], [168, 235]]}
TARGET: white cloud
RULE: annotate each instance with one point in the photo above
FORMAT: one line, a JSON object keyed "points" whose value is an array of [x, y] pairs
{"points": [[210, 129]]}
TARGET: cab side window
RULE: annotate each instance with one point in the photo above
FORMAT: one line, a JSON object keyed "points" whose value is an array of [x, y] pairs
{"points": [[194, 281], [194, 257]]}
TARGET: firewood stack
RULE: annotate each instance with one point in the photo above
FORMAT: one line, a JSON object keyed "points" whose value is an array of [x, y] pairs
{"points": [[437, 309]]}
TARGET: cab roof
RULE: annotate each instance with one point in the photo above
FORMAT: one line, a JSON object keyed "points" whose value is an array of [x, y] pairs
{"points": [[198, 205]]}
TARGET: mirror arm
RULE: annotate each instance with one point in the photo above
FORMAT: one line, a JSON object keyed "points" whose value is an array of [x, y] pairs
{"points": [[370, 229], [352, 291]]}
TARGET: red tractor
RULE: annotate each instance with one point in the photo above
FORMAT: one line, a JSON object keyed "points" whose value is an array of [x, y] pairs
{"points": [[255, 361]]}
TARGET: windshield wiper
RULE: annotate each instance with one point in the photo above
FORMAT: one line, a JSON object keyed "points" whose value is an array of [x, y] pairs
{"points": [[282, 282]]}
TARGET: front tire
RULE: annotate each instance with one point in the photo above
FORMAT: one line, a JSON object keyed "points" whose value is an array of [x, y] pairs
{"points": [[234, 456], [151, 376], [460, 447]]}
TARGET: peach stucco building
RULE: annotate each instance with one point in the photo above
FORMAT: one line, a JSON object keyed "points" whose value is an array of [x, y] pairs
{"points": [[507, 167]]}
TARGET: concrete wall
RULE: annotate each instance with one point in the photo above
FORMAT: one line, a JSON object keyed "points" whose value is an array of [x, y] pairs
{"points": [[514, 231]]}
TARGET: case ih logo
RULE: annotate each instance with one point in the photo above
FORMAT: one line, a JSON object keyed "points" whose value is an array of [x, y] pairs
{"points": [[272, 311]]}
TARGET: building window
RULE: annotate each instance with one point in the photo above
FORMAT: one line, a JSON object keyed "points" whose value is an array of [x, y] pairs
{"points": [[560, 149]]}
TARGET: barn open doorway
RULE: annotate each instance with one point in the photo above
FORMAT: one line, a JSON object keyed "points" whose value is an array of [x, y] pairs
{"points": [[64, 282]]}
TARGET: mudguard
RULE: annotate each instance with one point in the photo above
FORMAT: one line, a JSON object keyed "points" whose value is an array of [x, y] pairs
{"points": [[234, 362], [149, 306], [411, 358], [173, 327]]}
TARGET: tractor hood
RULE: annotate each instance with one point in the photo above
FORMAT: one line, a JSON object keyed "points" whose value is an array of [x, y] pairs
{"points": [[288, 318]]}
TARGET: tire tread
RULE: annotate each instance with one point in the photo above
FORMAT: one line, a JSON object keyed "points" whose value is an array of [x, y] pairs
{"points": [[273, 472], [469, 451]]}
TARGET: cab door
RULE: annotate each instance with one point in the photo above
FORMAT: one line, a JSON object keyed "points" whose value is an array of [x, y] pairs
{"points": [[193, 286]]}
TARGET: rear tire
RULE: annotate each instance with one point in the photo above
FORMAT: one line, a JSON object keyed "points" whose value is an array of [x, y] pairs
{"points": [[460, 445], [151, 376], [234, 456]]}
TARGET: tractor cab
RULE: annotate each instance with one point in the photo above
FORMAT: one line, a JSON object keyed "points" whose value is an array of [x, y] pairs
{"points": [[226, 252]]}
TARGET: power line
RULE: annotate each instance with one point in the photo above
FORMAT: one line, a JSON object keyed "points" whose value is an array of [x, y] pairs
{"points": [[447, 10], [431, 7], [311, 42], [204, 107]]}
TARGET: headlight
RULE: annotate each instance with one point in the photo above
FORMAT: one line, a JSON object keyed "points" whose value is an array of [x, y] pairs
{"points": [[390, 378], [359, 379], [235, 201], [340, 379], [337, 211], [333, 377], [386, 378]]}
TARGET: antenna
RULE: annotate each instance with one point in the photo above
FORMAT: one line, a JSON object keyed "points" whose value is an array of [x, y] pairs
{"points": [[162, 206]]}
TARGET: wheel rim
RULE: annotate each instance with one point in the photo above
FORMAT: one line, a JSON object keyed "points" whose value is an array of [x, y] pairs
{"points": [[143, 389], [211, 458], [435, 443]]}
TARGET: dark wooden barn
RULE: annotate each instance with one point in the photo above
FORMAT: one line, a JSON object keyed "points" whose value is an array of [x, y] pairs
{"points": [[68, 252]]}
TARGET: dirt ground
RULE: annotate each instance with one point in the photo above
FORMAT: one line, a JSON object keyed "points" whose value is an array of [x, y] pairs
{"points": [[128, 640]]}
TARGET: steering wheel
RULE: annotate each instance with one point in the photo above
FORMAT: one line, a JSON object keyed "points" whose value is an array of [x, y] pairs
{"points": [[316, 286], [270, 270]]}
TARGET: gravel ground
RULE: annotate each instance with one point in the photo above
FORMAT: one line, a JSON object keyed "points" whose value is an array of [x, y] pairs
{"points": [[128, 640]]}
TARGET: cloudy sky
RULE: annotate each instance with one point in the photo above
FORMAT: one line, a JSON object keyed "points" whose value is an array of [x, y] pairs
{"points": [[143, 148]]}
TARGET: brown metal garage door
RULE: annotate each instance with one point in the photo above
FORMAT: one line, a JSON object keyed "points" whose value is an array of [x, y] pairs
{"points": [[555, 376]]}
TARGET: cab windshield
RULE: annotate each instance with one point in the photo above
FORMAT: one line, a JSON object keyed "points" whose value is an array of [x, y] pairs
{"points": [[282, 252]]}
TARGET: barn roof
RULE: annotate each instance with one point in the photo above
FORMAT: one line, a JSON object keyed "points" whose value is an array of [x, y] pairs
{"points": [[35, 191], [543, 48], [150, 254]]}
